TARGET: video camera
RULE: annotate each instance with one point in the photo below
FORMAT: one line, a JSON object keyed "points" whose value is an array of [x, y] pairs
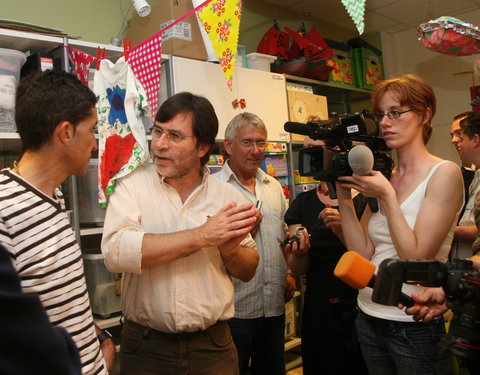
{"points": [[341, 134], [461, 284]]}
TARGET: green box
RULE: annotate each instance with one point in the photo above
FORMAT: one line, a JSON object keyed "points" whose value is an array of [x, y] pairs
{"points": [[342, 72], [367, 67]]}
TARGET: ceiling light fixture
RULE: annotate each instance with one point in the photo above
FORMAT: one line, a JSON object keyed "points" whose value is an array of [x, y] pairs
{"points": [[142, 7]]}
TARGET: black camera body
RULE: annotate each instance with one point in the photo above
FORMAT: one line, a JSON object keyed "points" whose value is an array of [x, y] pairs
{"points": [[461, 284], [295, 237], [341, 134]]}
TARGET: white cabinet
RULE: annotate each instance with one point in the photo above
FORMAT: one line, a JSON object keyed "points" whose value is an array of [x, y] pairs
{"points": [[264, 93]]}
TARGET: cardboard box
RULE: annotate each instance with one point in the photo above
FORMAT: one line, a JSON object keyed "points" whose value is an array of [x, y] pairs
{"points": [[342, 72], [183, 39], [302, 105]]}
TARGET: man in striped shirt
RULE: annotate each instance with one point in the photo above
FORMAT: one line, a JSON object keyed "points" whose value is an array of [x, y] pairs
{"points": [[56, 120], [259, 323]]}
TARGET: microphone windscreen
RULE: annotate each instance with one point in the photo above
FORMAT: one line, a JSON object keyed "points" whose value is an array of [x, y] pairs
{"points": [[297, 128], [354, 270], [360, 159]]}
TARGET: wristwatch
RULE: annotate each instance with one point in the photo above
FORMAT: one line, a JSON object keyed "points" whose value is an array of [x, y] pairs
{"points": [[104, 335]]}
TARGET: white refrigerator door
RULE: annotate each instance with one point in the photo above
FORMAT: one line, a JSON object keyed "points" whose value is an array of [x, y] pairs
{"points": [[264, 93]]}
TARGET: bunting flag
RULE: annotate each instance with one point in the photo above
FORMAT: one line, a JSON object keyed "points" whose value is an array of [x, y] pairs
{"points": [[356, 10], [145, 59], [81, 62], [221, 20]]}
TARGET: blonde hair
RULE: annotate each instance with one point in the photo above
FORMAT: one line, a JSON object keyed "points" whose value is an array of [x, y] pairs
{"points": [[413, 92]]}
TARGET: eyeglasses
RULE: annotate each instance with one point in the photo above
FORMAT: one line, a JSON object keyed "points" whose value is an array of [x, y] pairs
{"points": [[391, 115], [173, 136], [249, 144]]}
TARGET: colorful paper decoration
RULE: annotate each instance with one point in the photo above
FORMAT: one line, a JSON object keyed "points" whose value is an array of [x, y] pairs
{"points": [[121, 110], [356, 10], [450, 36], [81, 62], [221, 20], [274, 42], [145, 59]]}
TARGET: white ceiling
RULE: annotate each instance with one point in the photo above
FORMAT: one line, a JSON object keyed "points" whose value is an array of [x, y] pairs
{"points": [[380, 15]]}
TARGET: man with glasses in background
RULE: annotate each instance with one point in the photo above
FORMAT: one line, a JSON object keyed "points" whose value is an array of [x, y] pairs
{"points": [[259, 324], [178, 235], [467, 146]]}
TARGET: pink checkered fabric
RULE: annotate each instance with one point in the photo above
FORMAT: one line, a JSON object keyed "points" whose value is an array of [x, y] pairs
{"points": [[145, 60], [80, 63]]}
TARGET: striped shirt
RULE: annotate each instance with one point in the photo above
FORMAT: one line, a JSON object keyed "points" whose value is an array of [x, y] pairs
{"points": [[36, 231], [263, 295]]}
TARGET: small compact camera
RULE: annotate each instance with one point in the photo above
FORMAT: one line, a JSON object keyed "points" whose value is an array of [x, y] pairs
{"points": [[296, 237]]}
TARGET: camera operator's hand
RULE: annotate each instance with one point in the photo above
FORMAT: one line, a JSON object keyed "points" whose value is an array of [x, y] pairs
{"points": [[373, 185], [476, 262], [430, 303]]}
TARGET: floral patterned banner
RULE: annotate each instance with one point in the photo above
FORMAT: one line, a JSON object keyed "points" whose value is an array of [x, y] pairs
{"points": [[221, 20], [81, 62]]}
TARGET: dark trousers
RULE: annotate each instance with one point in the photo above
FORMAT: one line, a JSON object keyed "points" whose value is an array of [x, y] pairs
{"points": [[144, 351], [260, 341], [329, 342]]}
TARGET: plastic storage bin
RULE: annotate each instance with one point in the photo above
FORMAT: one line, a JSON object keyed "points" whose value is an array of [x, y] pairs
{"points": [[11, 62], [101, 286], [367, 63], [260, 61], [342, 72], [89, 211]]}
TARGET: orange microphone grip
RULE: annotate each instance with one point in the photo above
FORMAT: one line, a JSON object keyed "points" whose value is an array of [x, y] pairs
{"points": [[354, 270]]}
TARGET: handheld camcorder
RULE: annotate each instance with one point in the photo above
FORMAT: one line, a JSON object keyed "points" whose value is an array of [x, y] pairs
{"points": [[341, 134], [461, 284]]}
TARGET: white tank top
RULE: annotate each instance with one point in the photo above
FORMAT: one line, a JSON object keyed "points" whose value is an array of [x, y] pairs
{"points": [[384, 248]]}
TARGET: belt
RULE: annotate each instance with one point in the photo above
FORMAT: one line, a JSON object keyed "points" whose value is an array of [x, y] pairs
{"points": [[147, 331], [384, 322]]}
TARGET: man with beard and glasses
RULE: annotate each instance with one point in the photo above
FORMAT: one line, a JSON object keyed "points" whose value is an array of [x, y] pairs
{"points": [[179, 235]]}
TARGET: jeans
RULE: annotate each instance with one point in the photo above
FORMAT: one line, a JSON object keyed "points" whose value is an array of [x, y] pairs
{"points": [[144, 351], [261, 341], [402, 348]]}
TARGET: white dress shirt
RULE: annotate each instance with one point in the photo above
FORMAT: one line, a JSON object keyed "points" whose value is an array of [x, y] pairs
{"points": [[188, 294]]}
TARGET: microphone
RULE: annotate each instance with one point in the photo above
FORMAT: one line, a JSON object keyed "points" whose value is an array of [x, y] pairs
{"points": [[311, 129], [360, 160], [358, 272]]}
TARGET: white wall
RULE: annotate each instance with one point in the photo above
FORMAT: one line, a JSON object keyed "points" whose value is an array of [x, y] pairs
{"points": [[404, 53]]}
